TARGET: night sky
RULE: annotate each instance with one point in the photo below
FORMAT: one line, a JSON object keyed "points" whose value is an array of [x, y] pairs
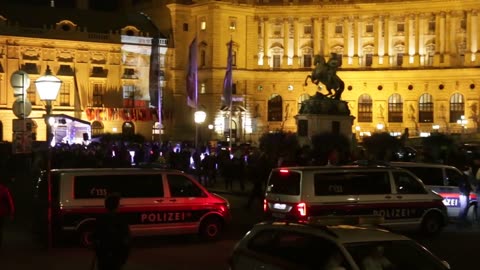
{"points": [[101, 5]]}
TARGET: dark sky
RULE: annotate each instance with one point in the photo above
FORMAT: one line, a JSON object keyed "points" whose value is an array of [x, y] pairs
{"points": [[101, 5]]}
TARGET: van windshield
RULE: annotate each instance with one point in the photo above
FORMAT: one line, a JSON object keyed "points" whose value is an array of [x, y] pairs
{"points": [[284, 182]]}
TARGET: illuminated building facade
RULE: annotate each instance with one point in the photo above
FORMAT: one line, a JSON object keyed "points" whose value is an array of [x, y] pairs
{"points": [[406, 64]]}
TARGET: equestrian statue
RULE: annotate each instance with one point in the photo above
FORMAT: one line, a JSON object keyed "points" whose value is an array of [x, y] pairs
{"points": [[326, 73]]}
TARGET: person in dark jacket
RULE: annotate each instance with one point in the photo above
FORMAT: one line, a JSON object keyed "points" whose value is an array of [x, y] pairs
{"points": [[7, 207], [111, 237]]}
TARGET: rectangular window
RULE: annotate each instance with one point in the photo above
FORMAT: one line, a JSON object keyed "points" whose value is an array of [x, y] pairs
{"points": [[369, 28], [456, 112], [365, 112], [368, 60], [185, 27], [339, 29], [64, 95], [400, 59], [97, 95], [276, 61], [307, 30], [395, 112], [128, 91], [234, 58], [203, 57], [400, 27], [203, 25], [277, 30], [425, 112], [307, 60], [203, 88], [32, 93], [284, 183], [431, 27]]}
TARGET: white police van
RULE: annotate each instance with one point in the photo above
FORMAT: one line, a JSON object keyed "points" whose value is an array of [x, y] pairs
{"points": [[298, 193], [154, 202], [444, 180]]}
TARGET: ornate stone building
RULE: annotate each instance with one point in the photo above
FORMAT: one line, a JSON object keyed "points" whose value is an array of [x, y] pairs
{"points": [[406, 64]]}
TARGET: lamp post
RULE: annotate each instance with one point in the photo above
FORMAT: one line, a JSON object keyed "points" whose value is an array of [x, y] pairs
{"points": [[199, 118], [48, 87]]}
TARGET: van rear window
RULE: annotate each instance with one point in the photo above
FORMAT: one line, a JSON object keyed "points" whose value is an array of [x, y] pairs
{"points": [[287, 183], [352, 183], [129, 186]]}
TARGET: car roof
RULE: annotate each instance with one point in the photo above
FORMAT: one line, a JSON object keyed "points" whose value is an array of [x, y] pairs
{"points": [[106, 170], [334, 167], [341, 233], [420, 164]]}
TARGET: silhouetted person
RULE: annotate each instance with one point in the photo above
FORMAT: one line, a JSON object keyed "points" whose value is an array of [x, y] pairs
{"points": [[7, 207], [111, 237]]}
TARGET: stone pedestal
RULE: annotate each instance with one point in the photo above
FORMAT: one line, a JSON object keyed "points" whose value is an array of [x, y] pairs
{"points": [[322, 114]]}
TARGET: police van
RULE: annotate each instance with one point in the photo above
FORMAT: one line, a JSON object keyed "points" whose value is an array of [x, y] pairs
{"points": [[154, 202], [444, 180], [300, 193]]}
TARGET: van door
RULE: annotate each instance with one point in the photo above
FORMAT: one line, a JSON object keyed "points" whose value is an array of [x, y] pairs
{"points": [[410, 198], [186, 201], [451, 191]]}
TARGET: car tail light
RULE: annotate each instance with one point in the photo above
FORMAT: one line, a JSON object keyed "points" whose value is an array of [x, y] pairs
{"points": [[473, 197], [265, 205], [302, 209]]}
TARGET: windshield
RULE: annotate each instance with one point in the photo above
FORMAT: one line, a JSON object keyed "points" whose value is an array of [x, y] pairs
{"points": [[394, 255]]}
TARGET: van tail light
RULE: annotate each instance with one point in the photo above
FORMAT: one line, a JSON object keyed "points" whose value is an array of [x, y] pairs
{"points": [[264, 205], [473, 197], [302, 209]]}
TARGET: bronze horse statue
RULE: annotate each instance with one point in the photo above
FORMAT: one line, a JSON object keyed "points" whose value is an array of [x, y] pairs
{"points": [[326, 73]]}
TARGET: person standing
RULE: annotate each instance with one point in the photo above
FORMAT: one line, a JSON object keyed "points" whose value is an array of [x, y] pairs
{"points": [[111, 237], [7, 207]]}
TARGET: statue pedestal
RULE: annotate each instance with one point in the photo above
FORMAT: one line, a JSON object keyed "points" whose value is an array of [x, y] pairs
{"points": [[321, 114]]}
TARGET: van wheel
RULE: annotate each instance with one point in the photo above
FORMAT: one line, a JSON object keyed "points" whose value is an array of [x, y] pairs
{"points": [[86, 236], [432, 224], [472, 214], [211, 228]]}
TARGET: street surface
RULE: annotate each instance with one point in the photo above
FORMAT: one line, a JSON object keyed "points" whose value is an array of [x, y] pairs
{"points": [[456, 245]]}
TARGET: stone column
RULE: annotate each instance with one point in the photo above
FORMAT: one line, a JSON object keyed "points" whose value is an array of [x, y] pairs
{"points": [[286, 38], [416, 55], [295, 43], [421, 38], [376, 40], [439, 39], [326, 33], [316, 35], [266, 37], [471, 48], [356, 41], [386, 42], [408, 33]]}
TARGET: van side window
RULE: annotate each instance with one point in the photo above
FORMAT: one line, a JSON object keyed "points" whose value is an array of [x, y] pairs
{"points": [[429, 176], [407, 184], [453, 177], [182, 186], [351, 183], [129, 186]]}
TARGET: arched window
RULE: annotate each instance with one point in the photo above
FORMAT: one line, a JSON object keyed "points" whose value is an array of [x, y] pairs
{"points": [[425, 109], [301, 99], [97, 128], [128, 129], [275, 111], [395, 109], [365, 108], [457, 107]]}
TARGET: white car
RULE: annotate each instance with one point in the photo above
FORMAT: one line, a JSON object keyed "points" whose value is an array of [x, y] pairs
{"points": [[278, 245]]}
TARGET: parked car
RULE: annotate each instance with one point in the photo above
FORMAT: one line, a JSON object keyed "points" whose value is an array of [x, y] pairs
{"points": [[313, 245]]}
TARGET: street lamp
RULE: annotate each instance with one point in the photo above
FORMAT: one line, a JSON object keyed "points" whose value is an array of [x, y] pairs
{"points": [[463, 122], [48, 87], [199, 118]]}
